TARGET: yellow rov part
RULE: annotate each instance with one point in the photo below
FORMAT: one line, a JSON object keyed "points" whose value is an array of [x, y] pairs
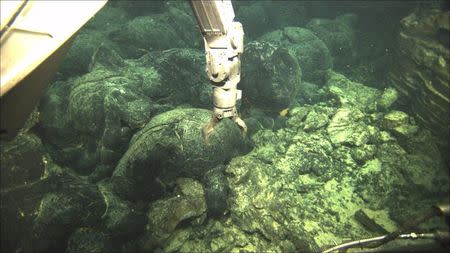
{"points": [[34, 38]]}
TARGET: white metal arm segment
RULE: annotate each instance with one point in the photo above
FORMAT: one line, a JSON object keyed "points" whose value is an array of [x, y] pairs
{"points": [[224, 43]]}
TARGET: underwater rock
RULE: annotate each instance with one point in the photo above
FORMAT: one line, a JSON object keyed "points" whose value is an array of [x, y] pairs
{"points": [[287, 167], [266, 199], [352, 94], [89, 240], [309, 118], [309, 93], [23, 163], [376, 221], [100, 172], [171, 145], [394, 173], [22, 160], [399, 123], [364, 153], [100, 100], [259, 17], [290, 13], [295, 183], [216, 191], [165, 215], [387, 99], [258, 119], [115, 100], [77, 59], [182, 75], [421, 74], [339, 36], [315, 120], [424, 143], [372, 170], [175, 28], [91, 37], [297, 116], [433, 181], [418, 205], [90, 119], [54, 124], [178, 240], [82, 156], [70, 202], [147, 33], [276, 72], [312, 54], [218, 236], [346, 127], [183, 21], [255, 19], [107, 57], [308, 154], [121, 219]]}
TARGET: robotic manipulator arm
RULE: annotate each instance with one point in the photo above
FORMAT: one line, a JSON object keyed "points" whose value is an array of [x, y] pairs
{"points": [[224, 43]]}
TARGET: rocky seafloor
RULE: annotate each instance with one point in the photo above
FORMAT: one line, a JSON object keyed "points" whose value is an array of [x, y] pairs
{"points": [[113, 160]]}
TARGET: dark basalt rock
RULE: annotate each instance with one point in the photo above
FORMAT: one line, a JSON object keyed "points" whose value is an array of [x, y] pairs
{"points": [[311, 52], [89, 240], [23, 162], [259, 17], [339, 36], [70, 202], [175, 28], [90, 119], [165, 215], [216, 191], [122, 219], [171, 145], [421, 75], [183, 79], [271, 75]]}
